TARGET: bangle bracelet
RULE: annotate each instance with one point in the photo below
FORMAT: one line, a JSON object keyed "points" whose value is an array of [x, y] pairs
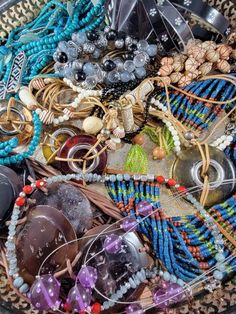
{"points": [[206, 13]]}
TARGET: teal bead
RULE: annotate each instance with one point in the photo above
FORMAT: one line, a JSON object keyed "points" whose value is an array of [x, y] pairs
{"points": [[24, 288], [166, 276]]}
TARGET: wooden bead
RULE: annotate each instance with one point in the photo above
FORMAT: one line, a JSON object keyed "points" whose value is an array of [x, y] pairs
{"points": [[223, 66], [92, 125], [175, 77], [209, 45], [178, 66], [191, 65], [205, 68], [158, 153], [224, 51], [193, 75], [167, 61], [166, 79], [138, 139], [185, 80], [197, 52], [212, 55], [38, 83], [165, 70]]}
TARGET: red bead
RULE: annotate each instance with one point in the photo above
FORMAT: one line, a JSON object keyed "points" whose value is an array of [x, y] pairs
{"points": [[66, 307], [27, 189], [96, 308], [181, 189], [171, 182], [160, 179], [40, 184], [20, 201]]}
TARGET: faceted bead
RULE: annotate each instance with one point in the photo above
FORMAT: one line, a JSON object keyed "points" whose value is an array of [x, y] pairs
{"points": [[18, 282], [112, 243], [140, 60], [62, 45], [77, 65], [160, 179], [140, 72], [20, 201], [80, 75], [171, 182], [88, 276], [142, 45], [125, 76], [175, 292], [111, 35], [152, 50], [60, 57], [132, 47], [44, 293], [79, 298], [68, 72], [160, 298], [134, 309], [109, 65], [92, 35], [81, 38], [96, 308], [88, 48], [220, 257], [218, 275], [119, 43], [129, 66], [88, 68], [40, 184], [27, 189], [96, 53], [144, 208], [91, 81], [129, 224]]}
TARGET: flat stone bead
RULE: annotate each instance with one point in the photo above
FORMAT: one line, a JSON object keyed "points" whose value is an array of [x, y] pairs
{"points": [[18, 282], [24, 288]]}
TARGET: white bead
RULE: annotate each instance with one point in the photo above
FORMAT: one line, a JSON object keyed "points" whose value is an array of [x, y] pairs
{"points": [[177, 149], [175, 138], [74, 105], [66, 117], [61, 119], [171, 128], [177, 143], [174, 132], [221, 146], [168, 124], [165, 121], [227, 143], [223, 137], [164, 109], [56, 121], [153, 100], [38, 110], [230, 138]]}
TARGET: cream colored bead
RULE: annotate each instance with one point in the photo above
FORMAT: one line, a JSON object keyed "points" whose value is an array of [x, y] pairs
{"points": [[167, 61], [223, 66], [46, 117], [212, 55], [224, 51], [166, 79], [175, 77], [165, 70], [209, 45], [205, 68], [178, 66], [119, 132], [27, 98], [191, 65], [38, 83], [185, 80], [92, 125], [233, 54]]}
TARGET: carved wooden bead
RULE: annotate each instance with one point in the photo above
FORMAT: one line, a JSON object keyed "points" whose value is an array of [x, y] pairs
{"points": [[165, 70], [209, 45], [185, 80], [191, 64], [224, 51], [178, 66], [212, 55], [119, 132], [38, 83], [194, 74], [175, 77], [166, 79], [223, 66], [46, 117], [205, 68], [233, 54], [197, 52], [167, 61]]}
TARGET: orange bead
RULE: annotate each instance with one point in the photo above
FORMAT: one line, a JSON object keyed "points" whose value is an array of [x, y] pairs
{"points": [[171, 182], [96, 308], [160, 179], [158, 153], [20, 201], [138, 139]]}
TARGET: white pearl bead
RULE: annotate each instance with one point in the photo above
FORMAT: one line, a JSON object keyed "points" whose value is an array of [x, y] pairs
{"points": [[174, 132], [175, 138], [153, 100], [164, 109], [38, 110], [230, 138], [60, 119], [177, 143], [66, 117], [223, 137], [221, 146], [177, 149], [171, 128], [56, 121], [168, 124]]}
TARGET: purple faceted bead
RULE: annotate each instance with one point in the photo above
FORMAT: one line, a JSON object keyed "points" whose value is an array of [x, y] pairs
{"points": [[112, 244], [88, 276], [175, 292], [134, 309], [144, 208], [161, 298], [129, 224], [44, 293], [79, 298]]}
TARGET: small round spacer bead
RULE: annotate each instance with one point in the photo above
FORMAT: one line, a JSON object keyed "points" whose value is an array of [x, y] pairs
{"points": [[40, 183], [22, 194], [171, 182], [20, 201], [182, 189], [33, 185], [27, 189], [160, 179]]}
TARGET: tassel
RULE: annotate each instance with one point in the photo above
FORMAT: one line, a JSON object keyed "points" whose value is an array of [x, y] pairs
{"points": [[136, 160]]}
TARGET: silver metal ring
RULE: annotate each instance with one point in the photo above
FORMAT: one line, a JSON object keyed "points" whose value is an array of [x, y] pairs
{"points": [[57, 133], [13, 132], [220, 174], [74, 165]]}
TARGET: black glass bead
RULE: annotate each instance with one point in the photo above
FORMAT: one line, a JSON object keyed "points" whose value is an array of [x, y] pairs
{"points": [[62, 57], [128, 56], [111, 35], [109, 65], [132, 47], [92, 36], [80, 75]]}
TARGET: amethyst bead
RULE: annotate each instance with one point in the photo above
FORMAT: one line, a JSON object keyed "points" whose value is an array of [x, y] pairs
{"points": [[112, 244], [129, 224], [175, 292], [160, 298], [44, 293], [144, 208], [88, 276], [134, 309], [79, 298]]}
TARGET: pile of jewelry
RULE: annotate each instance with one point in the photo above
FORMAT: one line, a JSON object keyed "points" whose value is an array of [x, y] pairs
{"points": [[118, 156]]}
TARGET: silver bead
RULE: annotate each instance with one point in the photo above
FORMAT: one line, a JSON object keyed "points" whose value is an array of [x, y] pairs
{"points": [[119, 43], [189, 136], [105, 132], [88, 48], [102, 42]]}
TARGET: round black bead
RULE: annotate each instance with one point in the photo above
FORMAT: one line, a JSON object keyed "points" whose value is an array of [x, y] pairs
{"points": [[61, 57], [112, 35], [132, 47], [92, 36], [109, 65], [80, 75]]}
